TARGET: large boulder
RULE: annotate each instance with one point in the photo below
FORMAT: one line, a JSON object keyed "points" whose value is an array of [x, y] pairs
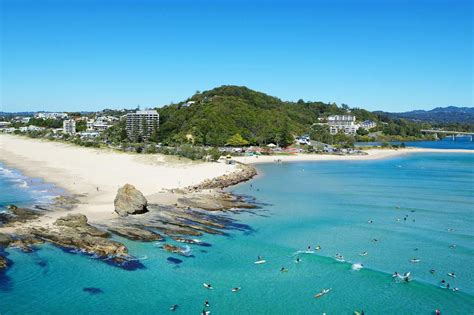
{"points": [[130, 200]]}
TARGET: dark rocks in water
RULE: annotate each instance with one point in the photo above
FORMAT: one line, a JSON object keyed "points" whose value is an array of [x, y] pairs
{"points": [[136, 234], [130, 200], [5, 239], [25, 243], [3, 263], [190, 241], [16, 214], [42, 263], [175, 249], [173, 260], [92, 290]]}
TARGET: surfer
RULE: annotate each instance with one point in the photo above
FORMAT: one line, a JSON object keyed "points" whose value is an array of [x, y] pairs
{"points": [[451, 274], [283, 269], [206, 303], [298, 259], [173, 307], [370, 221], [437, 312], [395, 274], [363, 254], [432, 271], [309, 248], [318, 247], [208, 285], [236, 289]]}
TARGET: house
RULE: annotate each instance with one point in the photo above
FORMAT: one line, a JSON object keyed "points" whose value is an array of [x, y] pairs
{"points": [[344, 123], [303, 140], [368, 124]]}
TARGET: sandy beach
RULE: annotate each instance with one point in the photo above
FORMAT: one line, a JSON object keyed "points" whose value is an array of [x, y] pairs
{"points": [[96, 174], [372, 154]]}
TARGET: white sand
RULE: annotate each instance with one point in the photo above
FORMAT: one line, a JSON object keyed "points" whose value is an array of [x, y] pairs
{"points": [[81, 170], [373, 154]]}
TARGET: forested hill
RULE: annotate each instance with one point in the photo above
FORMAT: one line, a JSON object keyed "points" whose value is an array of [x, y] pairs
{"points": [[215, 116], [447, 115]]}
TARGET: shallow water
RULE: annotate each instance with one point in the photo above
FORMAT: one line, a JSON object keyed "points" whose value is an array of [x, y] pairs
{"points": [[325, 203]]}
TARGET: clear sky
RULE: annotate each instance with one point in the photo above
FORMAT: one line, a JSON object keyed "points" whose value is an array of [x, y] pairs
{"points": [[393, 55]]}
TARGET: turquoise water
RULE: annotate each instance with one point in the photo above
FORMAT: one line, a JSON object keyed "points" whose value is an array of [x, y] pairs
{"points": [[20, 190], [325, 203], [445, 143]]}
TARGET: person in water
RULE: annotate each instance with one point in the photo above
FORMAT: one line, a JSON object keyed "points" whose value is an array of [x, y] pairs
{"points": [[309, 248], [298, 259], [438, 312], [206, 303]]}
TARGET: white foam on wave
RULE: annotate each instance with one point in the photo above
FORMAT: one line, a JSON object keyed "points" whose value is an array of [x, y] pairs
{"points": [[357, 266]]}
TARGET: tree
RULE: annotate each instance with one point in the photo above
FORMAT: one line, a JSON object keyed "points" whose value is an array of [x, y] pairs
{"points": [[214, 153], [285, 138], [237, 141]]}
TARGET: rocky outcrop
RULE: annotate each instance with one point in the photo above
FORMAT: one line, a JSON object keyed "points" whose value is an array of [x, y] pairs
{"points": [[74, 233], [79, 222], [5, 240], [136, 234], [244, 173], [3, 263], [16, 214], [175, 250], [130, 200], [72, 220]]}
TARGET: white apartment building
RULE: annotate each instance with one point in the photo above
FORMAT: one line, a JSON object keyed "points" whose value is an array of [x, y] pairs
{"points": [[51, 115], [142, 123], [344, 123], [69, 126]]}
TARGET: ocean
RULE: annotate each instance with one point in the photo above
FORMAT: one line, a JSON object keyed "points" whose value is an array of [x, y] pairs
{"points": [[398, 209]]}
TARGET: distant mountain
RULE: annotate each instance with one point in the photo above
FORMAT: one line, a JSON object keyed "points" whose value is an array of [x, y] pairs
{"points": [[444, 115]]}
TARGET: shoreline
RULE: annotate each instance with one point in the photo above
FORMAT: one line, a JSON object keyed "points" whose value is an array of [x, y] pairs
{"points": [[94, 175], [372, 154]]}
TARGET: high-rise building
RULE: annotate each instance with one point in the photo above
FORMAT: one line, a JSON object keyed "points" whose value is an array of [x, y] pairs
{"points": [[142, 124], [69, 126]]}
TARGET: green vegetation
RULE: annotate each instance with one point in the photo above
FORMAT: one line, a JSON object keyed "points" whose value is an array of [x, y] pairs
{"points": [[238, 116]]}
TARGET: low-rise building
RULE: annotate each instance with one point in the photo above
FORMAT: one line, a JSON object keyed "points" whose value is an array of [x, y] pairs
{"points": [[368, 124], [344, 123], [4, 124], [47, 115], [69, 126]]}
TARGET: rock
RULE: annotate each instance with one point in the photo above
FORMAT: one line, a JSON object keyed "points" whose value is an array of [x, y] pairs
{"points": [[71, 238], [25, 243], [244, 173], [3, 263], [5, 239], [16, 214], [79, 222], [136, 234], [72, 220], [175, 249], [129, 200]]}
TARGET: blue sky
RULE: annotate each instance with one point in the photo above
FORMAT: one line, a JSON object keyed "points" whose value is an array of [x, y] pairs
{"points": [[393, 55]]}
